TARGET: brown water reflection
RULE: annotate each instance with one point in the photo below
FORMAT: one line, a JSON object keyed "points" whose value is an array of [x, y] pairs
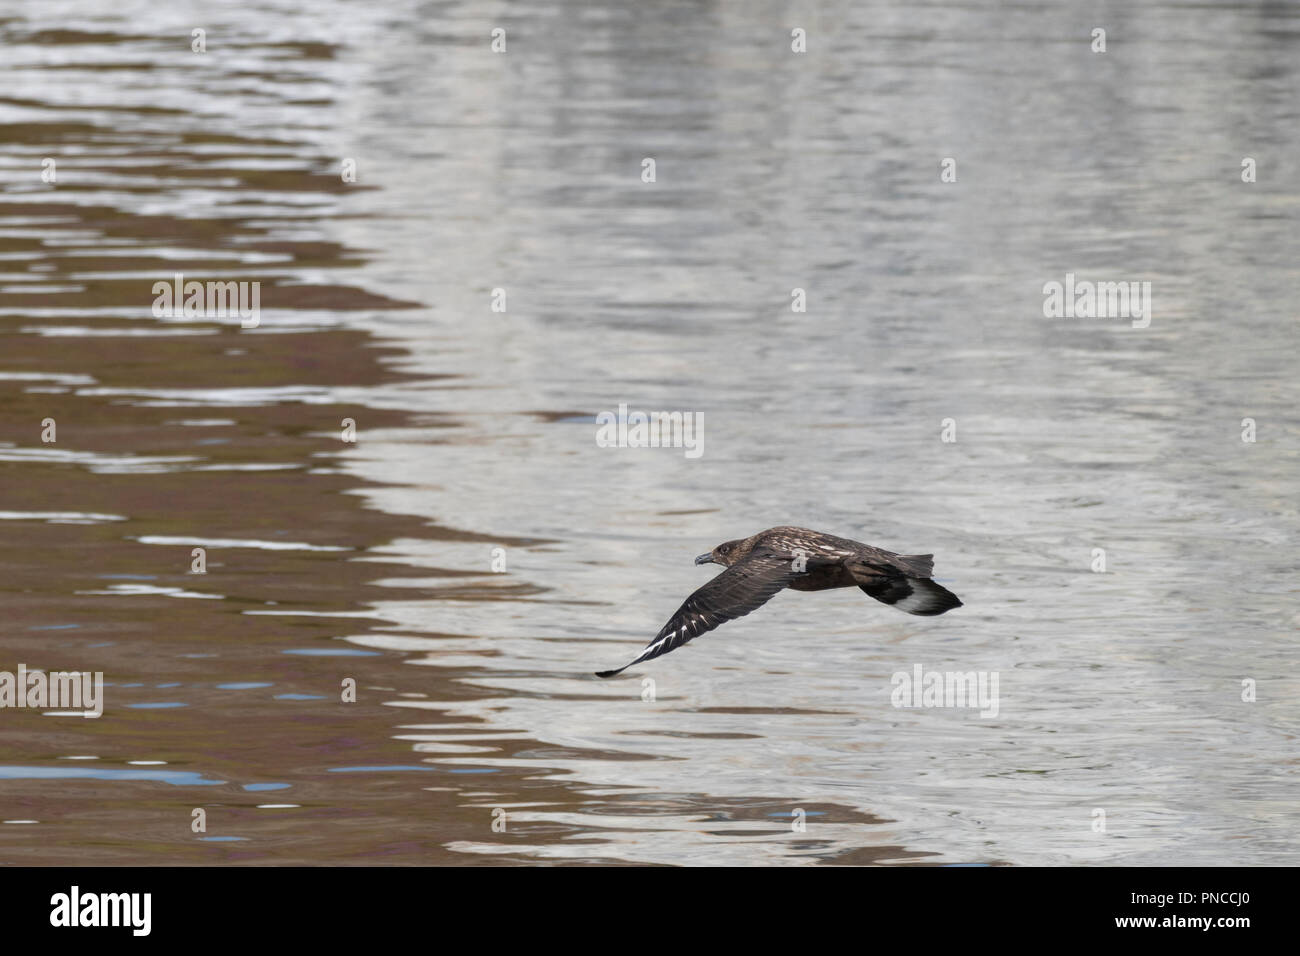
{"points": [[223, 689]]}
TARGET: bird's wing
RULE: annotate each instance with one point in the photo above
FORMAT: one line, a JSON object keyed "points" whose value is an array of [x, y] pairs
{"points": [[741, 588]]}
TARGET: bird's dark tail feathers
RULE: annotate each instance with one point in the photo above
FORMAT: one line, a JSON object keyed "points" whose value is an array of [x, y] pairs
{"points": [[913, 595]]}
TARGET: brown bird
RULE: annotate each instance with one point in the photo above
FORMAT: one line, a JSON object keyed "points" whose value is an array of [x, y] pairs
{"points": [[764, 563]]}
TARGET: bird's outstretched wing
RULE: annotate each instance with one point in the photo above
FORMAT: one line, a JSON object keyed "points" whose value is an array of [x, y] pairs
{"points": [[746, 585]]}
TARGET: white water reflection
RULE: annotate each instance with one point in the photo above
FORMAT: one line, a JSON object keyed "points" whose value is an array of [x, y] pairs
{"points": [[1122, 690], [183, 541], [70, 517], [136, 590]]}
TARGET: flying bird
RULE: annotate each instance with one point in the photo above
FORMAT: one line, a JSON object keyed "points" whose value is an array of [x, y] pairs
{"points": [[759, 566]]}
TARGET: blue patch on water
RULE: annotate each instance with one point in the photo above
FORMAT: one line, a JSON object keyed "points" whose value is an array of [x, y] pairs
{"points": [[378, 769], [246, 685], [267, 786], [221, 839], [54, 627], [137, 684], [174, 777], [331, 652], [103, 644], [161, 705], [165, 686], [477, 770], [299, 696]]}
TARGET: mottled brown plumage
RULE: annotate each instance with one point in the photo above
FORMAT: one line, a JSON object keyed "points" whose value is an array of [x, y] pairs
{"points": [[759, 566]]}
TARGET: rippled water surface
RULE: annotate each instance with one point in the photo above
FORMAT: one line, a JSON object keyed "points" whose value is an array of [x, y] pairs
{"points": [[372, 561]]}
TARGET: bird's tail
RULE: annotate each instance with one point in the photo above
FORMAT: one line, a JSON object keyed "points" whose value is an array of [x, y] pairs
{"points": [[915, 565], [913, 595]]}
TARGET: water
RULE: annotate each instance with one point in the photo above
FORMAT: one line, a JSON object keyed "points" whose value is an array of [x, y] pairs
{"points": [[370, 562]]}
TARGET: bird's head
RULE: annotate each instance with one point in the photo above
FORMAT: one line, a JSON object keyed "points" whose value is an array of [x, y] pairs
{"points": [[725, 554]]}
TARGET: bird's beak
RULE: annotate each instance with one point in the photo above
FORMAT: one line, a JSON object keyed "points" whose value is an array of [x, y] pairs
{"points": [[705, 558]]}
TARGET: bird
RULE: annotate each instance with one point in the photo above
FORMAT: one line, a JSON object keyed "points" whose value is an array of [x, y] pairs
{"points": [[759, 566]]}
